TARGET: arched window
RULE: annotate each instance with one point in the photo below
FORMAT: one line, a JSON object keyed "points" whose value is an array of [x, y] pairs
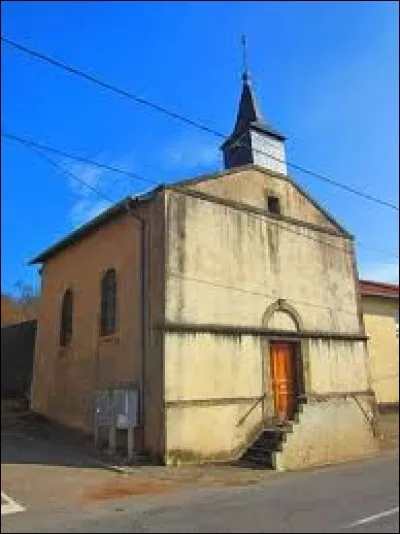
{"points": [[66, 318], [108, 303]]}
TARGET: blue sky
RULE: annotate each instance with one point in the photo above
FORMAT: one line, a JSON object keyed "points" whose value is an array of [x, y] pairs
{"points": [[325, 73]]}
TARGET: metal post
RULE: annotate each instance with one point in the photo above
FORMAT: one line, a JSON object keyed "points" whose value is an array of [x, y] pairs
{"points": [[112, 439], [96, 424], [130, 442], [112, 436]]}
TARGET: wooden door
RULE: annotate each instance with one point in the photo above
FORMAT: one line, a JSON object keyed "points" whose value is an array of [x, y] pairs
{"points": [[283, 375]]}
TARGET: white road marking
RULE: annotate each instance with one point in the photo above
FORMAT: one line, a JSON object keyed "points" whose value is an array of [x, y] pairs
{"points": [[374, 517], [11, 507]]}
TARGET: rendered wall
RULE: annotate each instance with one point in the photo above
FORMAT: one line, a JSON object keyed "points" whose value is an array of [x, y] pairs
{"points": [[226, 267], [383, 347]]}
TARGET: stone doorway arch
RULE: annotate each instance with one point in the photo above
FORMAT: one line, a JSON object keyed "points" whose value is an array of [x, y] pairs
{"points": [[285, 324], [281, 315]]}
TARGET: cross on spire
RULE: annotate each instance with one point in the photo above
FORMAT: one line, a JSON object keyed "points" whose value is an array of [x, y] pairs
{"points": [[245, 75]]}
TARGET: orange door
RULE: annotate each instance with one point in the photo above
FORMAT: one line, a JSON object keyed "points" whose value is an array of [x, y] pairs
{"points": [[283, 378]]}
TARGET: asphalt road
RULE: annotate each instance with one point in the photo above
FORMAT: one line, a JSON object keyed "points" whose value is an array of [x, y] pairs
{"points": [[355, 497]]}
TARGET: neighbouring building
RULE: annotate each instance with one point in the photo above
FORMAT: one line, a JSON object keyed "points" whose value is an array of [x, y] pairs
{"points": [[17, 355], [18, 331], [229, 301], [380, 305]]}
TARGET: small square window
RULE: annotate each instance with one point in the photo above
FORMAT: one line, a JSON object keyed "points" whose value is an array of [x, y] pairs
{"points": [[273, 205]]}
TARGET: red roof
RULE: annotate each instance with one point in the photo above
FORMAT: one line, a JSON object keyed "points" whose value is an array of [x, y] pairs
{"points": [[378, 289]]}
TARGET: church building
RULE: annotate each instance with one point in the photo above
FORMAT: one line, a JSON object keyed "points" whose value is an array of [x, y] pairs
{"points": [[229, 303]]}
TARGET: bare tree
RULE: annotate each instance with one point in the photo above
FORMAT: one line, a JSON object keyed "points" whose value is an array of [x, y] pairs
{"points": [[21, 305], [28, 300]]}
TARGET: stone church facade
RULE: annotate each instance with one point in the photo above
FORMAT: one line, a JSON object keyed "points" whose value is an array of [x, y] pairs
{"points": [[235, 313]]}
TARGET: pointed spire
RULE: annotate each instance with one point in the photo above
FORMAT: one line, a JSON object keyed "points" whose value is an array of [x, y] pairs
{"points": [[251, 136], [248, 111]]}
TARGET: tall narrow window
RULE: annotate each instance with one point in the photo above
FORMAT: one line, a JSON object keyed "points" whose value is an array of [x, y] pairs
{"points": [[108, 303], [66, 318], [273, 205]]}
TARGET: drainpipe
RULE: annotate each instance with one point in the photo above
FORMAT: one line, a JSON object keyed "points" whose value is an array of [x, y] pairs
{"points": [[143, 309]]}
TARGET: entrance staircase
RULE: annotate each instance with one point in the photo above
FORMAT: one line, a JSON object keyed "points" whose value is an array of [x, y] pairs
{"points": [[264, 450]]}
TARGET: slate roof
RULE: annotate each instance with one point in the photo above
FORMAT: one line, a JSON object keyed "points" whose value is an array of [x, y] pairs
{"points": [[249, 117]]}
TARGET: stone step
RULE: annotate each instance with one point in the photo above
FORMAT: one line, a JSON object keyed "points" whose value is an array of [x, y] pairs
{"points": [[276, 431], [268, 438], [266, 447], [262, 461], [265, 462], [287, 427], [271, 439], [263, 452]]}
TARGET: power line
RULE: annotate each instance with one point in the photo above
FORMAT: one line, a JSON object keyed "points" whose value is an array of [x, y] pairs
{"points": [[252, 292], [82, 159], [184, 119], [33, 144], [176, 274], [285, 228], [71, 175], [106, 85], [100, 193], [375, 249], [310, 237]]}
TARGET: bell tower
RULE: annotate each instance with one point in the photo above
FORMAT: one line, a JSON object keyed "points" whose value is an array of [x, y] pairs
{"points": [[253, 140]]}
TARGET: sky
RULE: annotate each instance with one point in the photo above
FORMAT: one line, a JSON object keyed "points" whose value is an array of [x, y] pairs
{"points": [[326, 74]]}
